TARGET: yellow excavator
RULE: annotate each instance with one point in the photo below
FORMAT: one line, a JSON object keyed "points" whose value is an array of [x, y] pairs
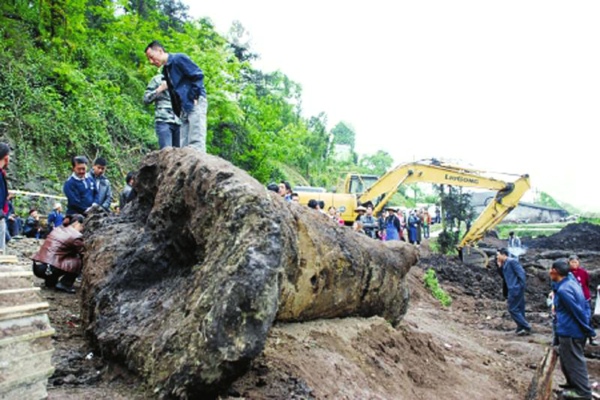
{"points": [[360, 189]]}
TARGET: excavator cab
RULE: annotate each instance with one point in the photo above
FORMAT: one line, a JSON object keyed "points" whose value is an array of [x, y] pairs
{"points": [[358, 184]]}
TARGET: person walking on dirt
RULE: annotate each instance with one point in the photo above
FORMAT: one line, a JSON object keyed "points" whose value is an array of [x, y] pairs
{"points": [[572, 329], [515, 278], [583, 278]]}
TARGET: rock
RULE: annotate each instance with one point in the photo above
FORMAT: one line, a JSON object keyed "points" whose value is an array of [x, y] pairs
{"points": [[184, 286]]}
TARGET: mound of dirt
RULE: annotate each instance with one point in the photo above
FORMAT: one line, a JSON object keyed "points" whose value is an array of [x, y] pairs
{"points": [[584, 236], [474, 281]]}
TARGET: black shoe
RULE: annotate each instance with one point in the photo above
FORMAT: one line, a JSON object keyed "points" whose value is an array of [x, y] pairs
{"points": [[524, 332], [63, 288], [566, 386], [593, 342]]}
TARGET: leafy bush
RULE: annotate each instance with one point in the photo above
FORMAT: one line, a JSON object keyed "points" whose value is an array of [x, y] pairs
{"points": [[432, 284]]}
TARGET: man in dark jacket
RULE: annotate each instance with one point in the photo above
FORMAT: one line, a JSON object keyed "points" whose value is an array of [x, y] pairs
{"points": [[515, 278], [80, 189], [125, 196], [98, 176], [4, 161], [185, 82], [370, 223], [572, 328]]}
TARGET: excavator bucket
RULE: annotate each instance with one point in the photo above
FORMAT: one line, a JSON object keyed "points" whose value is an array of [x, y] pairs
{"points": [[474, 256]]}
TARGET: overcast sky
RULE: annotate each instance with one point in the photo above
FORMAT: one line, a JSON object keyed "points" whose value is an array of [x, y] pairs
{"points": [[511, 86]]}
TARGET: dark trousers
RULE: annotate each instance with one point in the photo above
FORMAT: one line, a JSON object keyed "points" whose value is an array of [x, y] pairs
{"points": [[516, 308], [573, 365], [168, 134], [51, 274]]}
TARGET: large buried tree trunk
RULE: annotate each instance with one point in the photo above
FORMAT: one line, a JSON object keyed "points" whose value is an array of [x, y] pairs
{"points": [[185, 284]]}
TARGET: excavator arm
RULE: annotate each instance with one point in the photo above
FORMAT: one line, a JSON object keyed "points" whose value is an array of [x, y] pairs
{"points": [[432, 171]]}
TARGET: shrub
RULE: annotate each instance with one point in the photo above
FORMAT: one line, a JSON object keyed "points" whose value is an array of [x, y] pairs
{"points": [[432, 284]]}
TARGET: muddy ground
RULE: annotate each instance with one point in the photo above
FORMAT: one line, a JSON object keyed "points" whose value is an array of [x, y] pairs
{"points": [[467, 350]]}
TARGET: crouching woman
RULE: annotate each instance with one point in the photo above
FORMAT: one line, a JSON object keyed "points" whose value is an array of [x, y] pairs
{"points": [[59, 260]]}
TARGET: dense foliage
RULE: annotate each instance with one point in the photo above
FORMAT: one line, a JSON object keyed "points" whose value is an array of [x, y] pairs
{"points": [[74, 73]]}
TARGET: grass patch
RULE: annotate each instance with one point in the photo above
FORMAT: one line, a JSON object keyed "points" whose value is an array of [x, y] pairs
{"points": [[529, 230], [431, 283]]}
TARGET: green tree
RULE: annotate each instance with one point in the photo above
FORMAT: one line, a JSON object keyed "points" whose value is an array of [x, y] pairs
{"points": [[376, 164], [548, 201], [344, 133], [456, 210]]}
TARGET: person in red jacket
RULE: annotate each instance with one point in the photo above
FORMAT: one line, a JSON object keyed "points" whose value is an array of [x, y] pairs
{"points": [[583, 278], [60, 255]]}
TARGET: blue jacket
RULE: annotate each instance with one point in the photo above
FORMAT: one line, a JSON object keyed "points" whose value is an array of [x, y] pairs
{"points": [[572, 311], [514, 275], [81, 194], [55, 219], [103, 188], [186, 78]]}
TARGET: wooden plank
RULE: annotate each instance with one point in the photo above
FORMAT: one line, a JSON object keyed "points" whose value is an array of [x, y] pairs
{"points": [[27, 337], [23, 310], [13, 291], [5, 258], [27, 379], [541, 384], [15, 274]]}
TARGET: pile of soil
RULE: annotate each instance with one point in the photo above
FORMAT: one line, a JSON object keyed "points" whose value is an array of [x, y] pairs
{"points": [[584, 236], [473, 281], [467, 350]]}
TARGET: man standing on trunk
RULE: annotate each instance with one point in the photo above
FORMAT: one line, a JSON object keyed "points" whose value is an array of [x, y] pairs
{"points": [[515, 278], [185, 82]]}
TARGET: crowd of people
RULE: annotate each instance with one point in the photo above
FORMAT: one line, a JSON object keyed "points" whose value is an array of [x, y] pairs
{"points": [[180, 120], [396, 224], [570, 303], [393, 223], [59, 259]]}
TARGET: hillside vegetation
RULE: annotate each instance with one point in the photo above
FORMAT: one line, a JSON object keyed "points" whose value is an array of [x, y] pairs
{"points": [[73, 77], [74, 73]]}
